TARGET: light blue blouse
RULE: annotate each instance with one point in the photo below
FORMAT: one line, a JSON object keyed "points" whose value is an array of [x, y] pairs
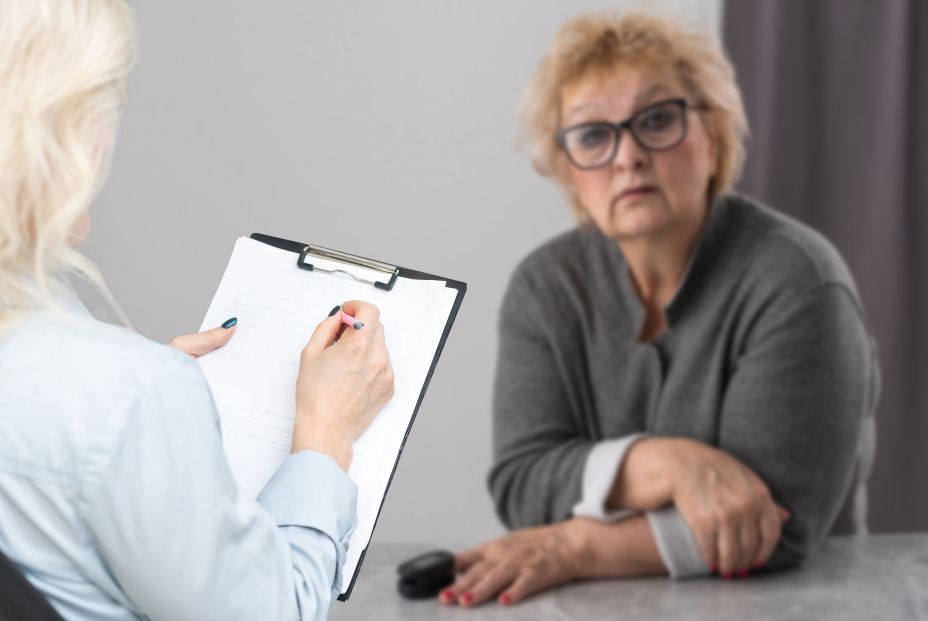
{"points": [[116, 500]]}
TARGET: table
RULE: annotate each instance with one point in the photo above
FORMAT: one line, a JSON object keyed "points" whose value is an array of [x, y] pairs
{"points": [[881, 577]]}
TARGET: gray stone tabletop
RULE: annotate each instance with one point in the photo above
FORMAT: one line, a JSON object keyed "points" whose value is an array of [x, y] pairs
{"points": [[882, 577]]}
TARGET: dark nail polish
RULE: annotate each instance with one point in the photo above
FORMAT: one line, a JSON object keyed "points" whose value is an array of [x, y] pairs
{"points": [[335, 310], [358, 325], [228, 323]]}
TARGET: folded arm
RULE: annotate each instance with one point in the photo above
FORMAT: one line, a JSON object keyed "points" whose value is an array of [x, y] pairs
{"points": [[790, 429]]}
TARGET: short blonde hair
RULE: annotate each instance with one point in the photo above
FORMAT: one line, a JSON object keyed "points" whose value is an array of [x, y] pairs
{"points": [[603, 41], [63, 70]]}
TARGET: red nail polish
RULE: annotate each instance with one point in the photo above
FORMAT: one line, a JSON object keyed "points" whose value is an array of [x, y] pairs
{"points": [[447, 595], [727, 575], [743, 573], [714, 569], [467, 598], [759, 565], [505, 599]]}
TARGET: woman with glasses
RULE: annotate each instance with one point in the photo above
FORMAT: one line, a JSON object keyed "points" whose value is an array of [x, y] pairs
{"points": [[685, 382], [116, 500]]}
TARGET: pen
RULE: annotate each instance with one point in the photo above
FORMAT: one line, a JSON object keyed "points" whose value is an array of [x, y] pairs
{"points": [[348, 320]]}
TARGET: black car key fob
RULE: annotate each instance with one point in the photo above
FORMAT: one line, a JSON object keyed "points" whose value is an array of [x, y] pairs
{"points": [[426, 575]]}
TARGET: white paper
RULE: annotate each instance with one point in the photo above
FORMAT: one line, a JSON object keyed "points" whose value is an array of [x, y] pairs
{"points": [[253, 378]]}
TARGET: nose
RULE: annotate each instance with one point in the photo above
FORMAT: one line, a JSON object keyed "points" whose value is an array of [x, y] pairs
{"points": [[629, 155]]}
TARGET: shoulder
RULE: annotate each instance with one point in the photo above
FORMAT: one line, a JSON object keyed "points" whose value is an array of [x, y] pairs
{"points": [[81, 376], [71, 387], [561, 263], [558, 252], [151, 375], [86, 345], [779, 251]]}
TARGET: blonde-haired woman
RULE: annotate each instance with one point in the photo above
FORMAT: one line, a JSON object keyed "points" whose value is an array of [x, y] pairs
{"points": [[685, 382], [116, 501]]}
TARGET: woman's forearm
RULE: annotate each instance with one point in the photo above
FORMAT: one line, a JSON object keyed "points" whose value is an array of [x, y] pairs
{"points": [[645, 481], [623, 549]]}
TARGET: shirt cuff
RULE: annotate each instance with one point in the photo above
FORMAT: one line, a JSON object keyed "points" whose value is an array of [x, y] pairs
{"points": [[309, 489], [676, 544], [602, 466]]}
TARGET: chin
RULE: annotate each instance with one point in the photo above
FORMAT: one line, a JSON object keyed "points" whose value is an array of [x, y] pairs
{"points": [[636, 225]]}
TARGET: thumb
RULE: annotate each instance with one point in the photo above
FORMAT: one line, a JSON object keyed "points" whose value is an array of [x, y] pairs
{"points": [[326, 332], [783, 513], [200, 343]]}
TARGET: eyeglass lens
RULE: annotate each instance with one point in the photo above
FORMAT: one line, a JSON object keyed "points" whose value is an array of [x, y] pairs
{"points": [[656, 127]]}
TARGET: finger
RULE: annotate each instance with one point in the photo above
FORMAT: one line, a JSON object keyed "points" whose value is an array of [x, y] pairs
{"points": [[379, 340], [728, 549], [699, 518], [749, 543], [325, 333], [364, 312], [783, 513], [380, 336], [708, 542], [769, 524], [491, 584], [200, 343], [525, 585], [464, 560], [466, 581]]}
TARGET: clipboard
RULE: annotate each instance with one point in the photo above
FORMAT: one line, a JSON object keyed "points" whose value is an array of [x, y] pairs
{"points": [[305, 254]]}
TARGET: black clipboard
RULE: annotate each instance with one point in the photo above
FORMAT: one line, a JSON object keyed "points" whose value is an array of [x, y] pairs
{"points": [[305, 254]]}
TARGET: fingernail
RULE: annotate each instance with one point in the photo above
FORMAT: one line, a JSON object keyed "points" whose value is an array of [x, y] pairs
{"points": [[447, 595], [467, 598], [335, 310], [228, 323], [357, 325], [759, 565], [505, 599], [743, 573], [727, 575], [714, 569]]}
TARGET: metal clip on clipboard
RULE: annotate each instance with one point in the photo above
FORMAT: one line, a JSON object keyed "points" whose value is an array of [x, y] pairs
{"points": [[348, 259]]}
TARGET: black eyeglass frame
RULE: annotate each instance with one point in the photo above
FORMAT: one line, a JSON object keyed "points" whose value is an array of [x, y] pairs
{"points": [[684, 103]]}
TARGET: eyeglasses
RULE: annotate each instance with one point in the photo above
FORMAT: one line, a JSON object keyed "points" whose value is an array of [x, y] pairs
{"points": [[658, 127]]}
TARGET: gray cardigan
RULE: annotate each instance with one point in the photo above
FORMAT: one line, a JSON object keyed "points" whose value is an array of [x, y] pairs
{"points": [[766, 357]]}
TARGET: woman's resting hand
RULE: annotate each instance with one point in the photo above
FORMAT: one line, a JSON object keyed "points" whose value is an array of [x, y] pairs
{"points": [[515, 566], [727, 506], [345, 379]]}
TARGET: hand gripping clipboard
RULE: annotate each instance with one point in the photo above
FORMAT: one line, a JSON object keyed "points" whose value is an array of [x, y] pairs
{"points": [[304, 257]]}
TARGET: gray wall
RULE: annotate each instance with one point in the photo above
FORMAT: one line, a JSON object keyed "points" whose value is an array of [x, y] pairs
{"points": [[383, 128]]}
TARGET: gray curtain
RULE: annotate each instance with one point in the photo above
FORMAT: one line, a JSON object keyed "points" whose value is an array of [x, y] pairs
{"points": [[837, 98]]}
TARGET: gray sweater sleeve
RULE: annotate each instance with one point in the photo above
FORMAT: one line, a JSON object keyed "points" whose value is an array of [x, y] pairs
{"points": [[539, 451], [795, 408]]}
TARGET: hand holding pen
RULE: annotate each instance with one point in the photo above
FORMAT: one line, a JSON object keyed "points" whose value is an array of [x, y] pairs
{"points": [[344, 381]]}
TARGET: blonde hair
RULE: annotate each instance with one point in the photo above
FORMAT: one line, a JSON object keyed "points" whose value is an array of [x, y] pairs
{"points": [[63, 70], [601, 42]]}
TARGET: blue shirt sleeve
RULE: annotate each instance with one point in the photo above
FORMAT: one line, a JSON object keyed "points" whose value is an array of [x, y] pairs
{"points": [[164, 512]]}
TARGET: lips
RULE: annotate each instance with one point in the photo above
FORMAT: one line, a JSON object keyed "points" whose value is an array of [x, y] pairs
{"points": [[638, 190]]}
